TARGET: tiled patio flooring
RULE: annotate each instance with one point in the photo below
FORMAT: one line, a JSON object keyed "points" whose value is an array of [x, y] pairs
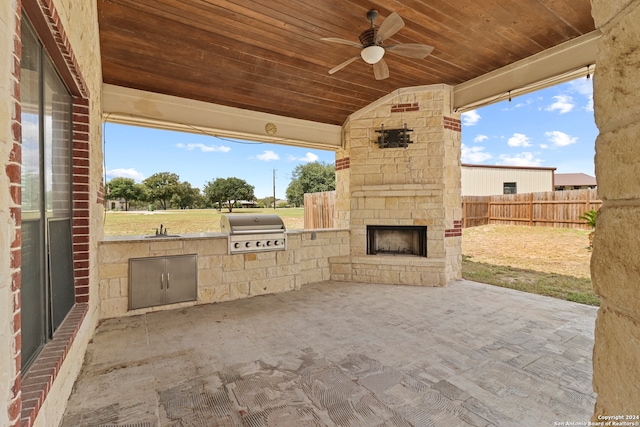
{"points": [[344, 354]]}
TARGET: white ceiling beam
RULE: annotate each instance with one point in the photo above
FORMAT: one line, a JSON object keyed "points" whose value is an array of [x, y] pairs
{"points": [[139, 108], [553, 66]]}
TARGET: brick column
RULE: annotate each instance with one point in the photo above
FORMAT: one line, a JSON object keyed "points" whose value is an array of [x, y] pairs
{"points": [[615, 269], [81, 177]]}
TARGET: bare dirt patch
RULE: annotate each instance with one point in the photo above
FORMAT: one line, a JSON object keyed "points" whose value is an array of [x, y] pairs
{"points": [[550, 250]]}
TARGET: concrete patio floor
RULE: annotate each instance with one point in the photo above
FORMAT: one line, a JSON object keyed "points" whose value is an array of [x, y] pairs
{"points": [[344, 354]]}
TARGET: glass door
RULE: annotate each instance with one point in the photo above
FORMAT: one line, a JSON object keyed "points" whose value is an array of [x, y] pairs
{"points": [[47, 285]]}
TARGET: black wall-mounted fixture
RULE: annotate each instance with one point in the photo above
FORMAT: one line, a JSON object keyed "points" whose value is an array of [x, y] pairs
{"points": [[394, 138]]}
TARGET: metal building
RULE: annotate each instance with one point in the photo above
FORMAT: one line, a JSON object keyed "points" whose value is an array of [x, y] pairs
{"points": [[488, 180]]}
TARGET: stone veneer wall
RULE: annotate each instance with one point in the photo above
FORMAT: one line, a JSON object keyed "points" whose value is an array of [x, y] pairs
{"points": [[9, 139], [615, 269], [417, 185], [222, 277]]}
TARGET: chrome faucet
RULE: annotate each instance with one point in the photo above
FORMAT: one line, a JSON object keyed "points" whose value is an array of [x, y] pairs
{"points": [[162, 232]]}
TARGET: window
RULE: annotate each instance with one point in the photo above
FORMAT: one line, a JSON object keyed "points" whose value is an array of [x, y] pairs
{"points": [[47, 284], [509, 188]]}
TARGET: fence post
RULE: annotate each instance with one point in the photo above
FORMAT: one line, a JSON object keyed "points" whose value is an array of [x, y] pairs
{"points": [[588, 201], [464, 214], [530, 208]]}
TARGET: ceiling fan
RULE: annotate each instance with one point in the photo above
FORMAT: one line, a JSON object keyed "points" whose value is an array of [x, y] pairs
{"points": [[373, 50]]}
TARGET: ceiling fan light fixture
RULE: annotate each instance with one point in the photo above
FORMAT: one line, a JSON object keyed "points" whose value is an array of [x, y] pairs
{"points": [[372, 54]]}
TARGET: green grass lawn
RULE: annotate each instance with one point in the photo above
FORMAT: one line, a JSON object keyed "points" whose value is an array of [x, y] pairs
{"points": [[134, 223], [576, 289]]}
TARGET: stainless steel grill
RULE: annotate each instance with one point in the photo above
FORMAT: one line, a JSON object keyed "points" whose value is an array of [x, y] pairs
{"points": [[254, 233]]}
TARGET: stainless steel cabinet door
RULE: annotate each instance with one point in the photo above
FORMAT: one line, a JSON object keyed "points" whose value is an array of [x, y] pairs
{"points": [[146, 282], [162, 280], [182, 273]]}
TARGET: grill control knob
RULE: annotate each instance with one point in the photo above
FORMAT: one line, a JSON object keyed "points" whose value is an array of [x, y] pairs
{"points": [[247, 244], [236, 245], [268, 242], [258, 243], [277, 242]]}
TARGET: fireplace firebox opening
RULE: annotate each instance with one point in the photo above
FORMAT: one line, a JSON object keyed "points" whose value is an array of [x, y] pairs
{"points": [[410, 240]]}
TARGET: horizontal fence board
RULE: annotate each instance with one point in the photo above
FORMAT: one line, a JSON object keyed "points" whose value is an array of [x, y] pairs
{"points": [[550, 209]]}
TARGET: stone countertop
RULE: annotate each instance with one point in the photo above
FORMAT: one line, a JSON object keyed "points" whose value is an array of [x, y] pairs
{"points": [[140, 238], [186, 236]]}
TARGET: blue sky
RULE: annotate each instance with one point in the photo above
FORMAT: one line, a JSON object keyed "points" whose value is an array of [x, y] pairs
{"points": [[553, 127]]}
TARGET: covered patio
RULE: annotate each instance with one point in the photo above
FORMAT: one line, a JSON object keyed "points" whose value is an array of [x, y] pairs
{"points": [[332, 343], [344, 354]]}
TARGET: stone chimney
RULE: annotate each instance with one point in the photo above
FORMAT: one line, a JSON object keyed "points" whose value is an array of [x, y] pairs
{"points": [[414, 186]]}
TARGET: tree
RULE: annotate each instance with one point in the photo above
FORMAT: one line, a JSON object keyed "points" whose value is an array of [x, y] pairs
{"points": [[310, 178], [126, 189], [229, 191], [162, 186], [185, 196], [266, 202]]}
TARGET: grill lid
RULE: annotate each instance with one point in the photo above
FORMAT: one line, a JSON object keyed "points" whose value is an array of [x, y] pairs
{"points": [[251, 224]]}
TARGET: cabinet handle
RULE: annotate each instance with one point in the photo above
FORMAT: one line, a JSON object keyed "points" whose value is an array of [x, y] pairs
{"points": [[168, 280], [162, 281]]}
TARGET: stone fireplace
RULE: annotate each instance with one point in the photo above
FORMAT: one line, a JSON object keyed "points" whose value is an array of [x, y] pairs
{"points": [[404, 240], [388, 195]]}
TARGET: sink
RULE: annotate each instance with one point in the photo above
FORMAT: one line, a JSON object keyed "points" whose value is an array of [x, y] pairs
{"points": [[159, 236]]}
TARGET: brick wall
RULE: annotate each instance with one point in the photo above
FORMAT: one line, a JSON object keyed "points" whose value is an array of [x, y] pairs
{"points": [[30, 391], [81, 174]]}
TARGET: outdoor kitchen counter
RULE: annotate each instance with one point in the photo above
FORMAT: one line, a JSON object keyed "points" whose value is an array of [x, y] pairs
{"points": [[187, 236], [109, 239], [221, 276]]}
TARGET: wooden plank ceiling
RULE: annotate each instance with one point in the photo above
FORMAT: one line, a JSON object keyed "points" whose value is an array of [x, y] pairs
{"points": [[266, 55]]}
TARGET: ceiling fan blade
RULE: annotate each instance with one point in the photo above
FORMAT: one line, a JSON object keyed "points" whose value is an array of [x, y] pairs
{"points": [[342, 41], [344, 64], [380, 70], [389, 27], [412, 50]]}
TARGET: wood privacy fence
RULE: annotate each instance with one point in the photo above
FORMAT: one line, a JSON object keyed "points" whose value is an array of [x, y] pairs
{"points": [[319, 210], [560, 209]]}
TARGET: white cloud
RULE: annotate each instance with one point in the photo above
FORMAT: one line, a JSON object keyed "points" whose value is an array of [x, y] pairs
{"points": [[560, 139], [544, 146], [267, 156], [309, 157], [529, 101], [563, 104], [205, 148], [519, 140], [522, 159], [474, 154], [126, 173], [480, 138], [470, 118], [583, 87], [589, 106]]}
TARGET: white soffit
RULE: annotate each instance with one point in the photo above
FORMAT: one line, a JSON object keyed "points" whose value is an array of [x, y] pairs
{"points": [[553, 66], [139, 108]]}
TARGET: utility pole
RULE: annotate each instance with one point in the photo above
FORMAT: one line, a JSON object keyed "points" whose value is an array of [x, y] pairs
{"points": [[274, 189]]}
